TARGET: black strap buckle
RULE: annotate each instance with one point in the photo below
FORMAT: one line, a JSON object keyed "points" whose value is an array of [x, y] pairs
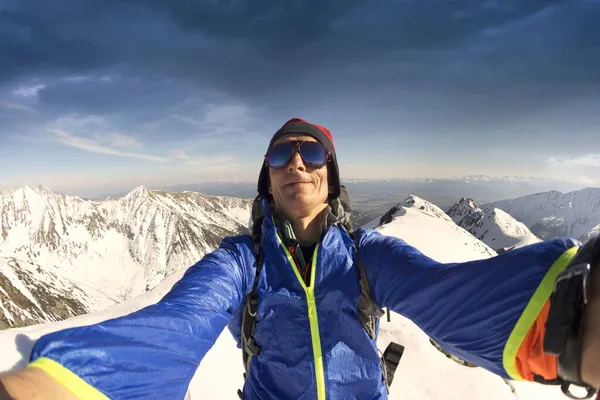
{"points": [[564, 327], [252, 304], [571, 291], [252, 347], [248, 330], [391, 358], [565, 388], [581, 271]]}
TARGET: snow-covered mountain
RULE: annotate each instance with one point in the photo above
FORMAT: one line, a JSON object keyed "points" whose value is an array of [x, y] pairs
{"points": [[30, 295], [552, 214], [415, 202], [423, 373], [593, 232], [426, 225], [507, 178], [493, 227], [94, 254], [509, 184]]}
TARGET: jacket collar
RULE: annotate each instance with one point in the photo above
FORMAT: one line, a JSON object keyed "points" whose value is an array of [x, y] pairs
{"points": [[334, 215]]}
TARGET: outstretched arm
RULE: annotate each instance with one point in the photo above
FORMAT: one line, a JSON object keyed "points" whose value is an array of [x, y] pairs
{"points": [[32, 383], [153, 352], [490, 312]]}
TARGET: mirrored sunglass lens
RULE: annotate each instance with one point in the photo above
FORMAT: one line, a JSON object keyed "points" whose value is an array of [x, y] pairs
{"points": [[280, 154], [313, 153]]}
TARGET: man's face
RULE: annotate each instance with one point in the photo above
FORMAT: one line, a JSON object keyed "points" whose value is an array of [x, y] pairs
{"points": [[298, 189]]}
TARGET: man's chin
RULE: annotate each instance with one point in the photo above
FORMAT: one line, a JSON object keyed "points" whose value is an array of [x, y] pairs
{"points": [[298, 196], [300, 199]]}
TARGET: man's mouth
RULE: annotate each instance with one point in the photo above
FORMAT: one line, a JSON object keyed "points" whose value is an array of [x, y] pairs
{"points": [[296, 183]]}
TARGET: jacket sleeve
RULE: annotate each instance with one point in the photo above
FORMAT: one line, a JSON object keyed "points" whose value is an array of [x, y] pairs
{"points": [[153, 352], [490, 312]]}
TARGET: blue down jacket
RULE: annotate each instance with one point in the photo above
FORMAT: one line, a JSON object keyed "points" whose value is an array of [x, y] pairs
{"points": [[313, 346]]}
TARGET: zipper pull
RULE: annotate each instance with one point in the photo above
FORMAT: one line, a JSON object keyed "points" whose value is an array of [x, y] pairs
{"points": [[288, 232]]}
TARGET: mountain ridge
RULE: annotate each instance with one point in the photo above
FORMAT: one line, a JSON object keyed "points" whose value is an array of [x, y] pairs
{"points": [[554, 213], [116, 248], [494, 227], [406, 220]]}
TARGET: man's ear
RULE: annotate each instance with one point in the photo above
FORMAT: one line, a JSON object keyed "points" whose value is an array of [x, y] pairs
{"points": [[270, 189], [330, 189]]}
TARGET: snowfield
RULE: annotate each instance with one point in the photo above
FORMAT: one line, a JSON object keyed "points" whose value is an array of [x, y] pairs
{"points": [[92, 255]]}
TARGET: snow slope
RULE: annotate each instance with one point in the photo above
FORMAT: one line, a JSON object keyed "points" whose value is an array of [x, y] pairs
{"points": [[106, 251], [553, 214], [408, 218], [494, 227], [593, 232], [30, 295], [423, 373]]}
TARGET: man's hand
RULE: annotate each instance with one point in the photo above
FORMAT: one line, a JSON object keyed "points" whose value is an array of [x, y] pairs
{"points": [[590, 359], [32, 383]]}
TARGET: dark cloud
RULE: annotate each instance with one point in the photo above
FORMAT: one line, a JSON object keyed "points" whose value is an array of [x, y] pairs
{"points": [[493, 58], [106, 95], [274, 26]]}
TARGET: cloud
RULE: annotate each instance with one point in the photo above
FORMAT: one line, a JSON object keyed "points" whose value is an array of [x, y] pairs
{"points": [[587, 181], [79, 122], [115, 139], [181, 155], [584, 168], [14, 106], [226, 119], [212, 162], [29, 91], [122, 94], [160, 111], [207, 161], [587, 160], [257, 51], [67, 139], [83, 78], [214, 118], [208, 76], [155, 68]]}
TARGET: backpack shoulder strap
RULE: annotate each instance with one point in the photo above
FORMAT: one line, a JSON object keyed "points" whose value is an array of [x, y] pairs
{"points": [[368, 311], [249, 346]]}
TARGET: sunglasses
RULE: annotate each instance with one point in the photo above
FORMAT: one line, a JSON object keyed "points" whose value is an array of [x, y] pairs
{"points": [[313, 154]]}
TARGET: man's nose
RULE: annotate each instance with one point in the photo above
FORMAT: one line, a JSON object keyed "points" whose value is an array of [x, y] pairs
{"points": [[296, 163]]}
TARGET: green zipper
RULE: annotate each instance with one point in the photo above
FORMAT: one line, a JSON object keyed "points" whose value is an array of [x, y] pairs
{"points": [[312, 317]]}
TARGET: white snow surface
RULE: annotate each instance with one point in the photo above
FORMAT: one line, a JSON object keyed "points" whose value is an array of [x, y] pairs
{"points": [[423, 373], [553, 214], [30, 295], [494, 227], [109, 250], [595, 231], [417, 221]]}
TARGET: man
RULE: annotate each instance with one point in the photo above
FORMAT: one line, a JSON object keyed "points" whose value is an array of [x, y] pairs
{"points": [[494, 313]]}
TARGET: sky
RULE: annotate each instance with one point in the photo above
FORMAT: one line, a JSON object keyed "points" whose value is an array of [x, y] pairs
{"points": [[102, 96]]}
